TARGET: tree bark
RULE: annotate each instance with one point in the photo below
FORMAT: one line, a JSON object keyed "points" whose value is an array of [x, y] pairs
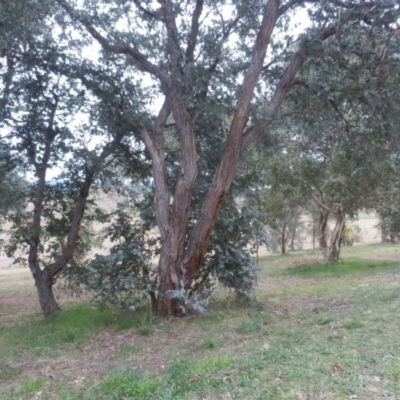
{"points": [[314, 227], [46, 277], [336, 238], [44, 287], [321, 230], [179, 265], [283, 240], [293, 237]]}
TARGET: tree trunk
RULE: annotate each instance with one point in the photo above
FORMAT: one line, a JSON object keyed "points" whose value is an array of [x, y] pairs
{"points": [[293, 238], [182, 254], [44, 286], [314, 228], [171, 294], [283, 240], [336, 239], [321, 229]]}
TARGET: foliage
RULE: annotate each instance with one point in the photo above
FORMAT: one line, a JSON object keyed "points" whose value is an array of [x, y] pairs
{"points": [[351, 235], [126, 274], [226, 75], [14, 190]]}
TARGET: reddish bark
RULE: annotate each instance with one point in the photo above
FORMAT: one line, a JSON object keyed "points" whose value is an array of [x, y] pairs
{"points": [[182, 252]]}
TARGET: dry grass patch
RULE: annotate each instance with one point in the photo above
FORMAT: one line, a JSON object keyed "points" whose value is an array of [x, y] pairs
{"points": [[301, 261]]}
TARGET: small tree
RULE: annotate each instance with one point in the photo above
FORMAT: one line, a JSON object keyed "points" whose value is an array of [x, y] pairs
{"points": [[351, 235]]}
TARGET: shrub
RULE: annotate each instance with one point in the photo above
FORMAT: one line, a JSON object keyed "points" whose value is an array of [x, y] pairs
{"points": [[351, 235]]}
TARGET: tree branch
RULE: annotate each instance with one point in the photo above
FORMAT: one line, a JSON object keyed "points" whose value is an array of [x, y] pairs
{"points": [[173, 46], [144, 63], [194, 31], [281, 90], [323, 205], [222, 179], [69, 248], [146, 11], [155, 147]]}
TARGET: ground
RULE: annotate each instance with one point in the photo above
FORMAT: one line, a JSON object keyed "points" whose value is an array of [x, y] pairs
{"points": [[312, 331]]}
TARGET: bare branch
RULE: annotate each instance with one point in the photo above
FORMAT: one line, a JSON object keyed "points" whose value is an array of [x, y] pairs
{"points": [[162, 117], [154, 145]]}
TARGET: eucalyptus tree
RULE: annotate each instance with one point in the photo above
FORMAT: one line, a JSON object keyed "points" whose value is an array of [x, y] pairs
{"points": [[343, 143], [194, 55], [50, 119], [280, 197], [336, 169]]}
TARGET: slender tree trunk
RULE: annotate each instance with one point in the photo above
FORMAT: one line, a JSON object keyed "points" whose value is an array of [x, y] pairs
{"points": [[314, 228], [257, 251], [45, 279], [293, 238], [335, 242], [283, 240], [321, 229]]}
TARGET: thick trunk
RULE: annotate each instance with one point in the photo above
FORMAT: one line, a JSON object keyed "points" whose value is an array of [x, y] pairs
{"points": [[44, 287], [335, 242], [170, 300], [321, 229]]}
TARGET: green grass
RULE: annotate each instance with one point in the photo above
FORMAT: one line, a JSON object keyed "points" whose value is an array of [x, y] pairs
{"points": [[67, 327], [128, 385], [339, 269], [321, 332]]}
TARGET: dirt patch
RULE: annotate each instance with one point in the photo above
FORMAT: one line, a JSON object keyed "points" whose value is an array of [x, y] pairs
{"points": [[315, 304], [386, 257], [17, 301], [301, 261]]}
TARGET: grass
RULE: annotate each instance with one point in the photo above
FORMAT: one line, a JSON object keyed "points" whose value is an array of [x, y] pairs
{"points": [[340, 269], [326, 331]]}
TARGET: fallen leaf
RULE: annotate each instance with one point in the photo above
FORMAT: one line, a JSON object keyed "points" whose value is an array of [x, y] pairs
{"points": [[194, 378], [337, 368], [79, 380]]}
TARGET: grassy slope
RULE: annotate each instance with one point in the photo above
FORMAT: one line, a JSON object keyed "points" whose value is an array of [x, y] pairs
{"points": [[313, 332]]}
